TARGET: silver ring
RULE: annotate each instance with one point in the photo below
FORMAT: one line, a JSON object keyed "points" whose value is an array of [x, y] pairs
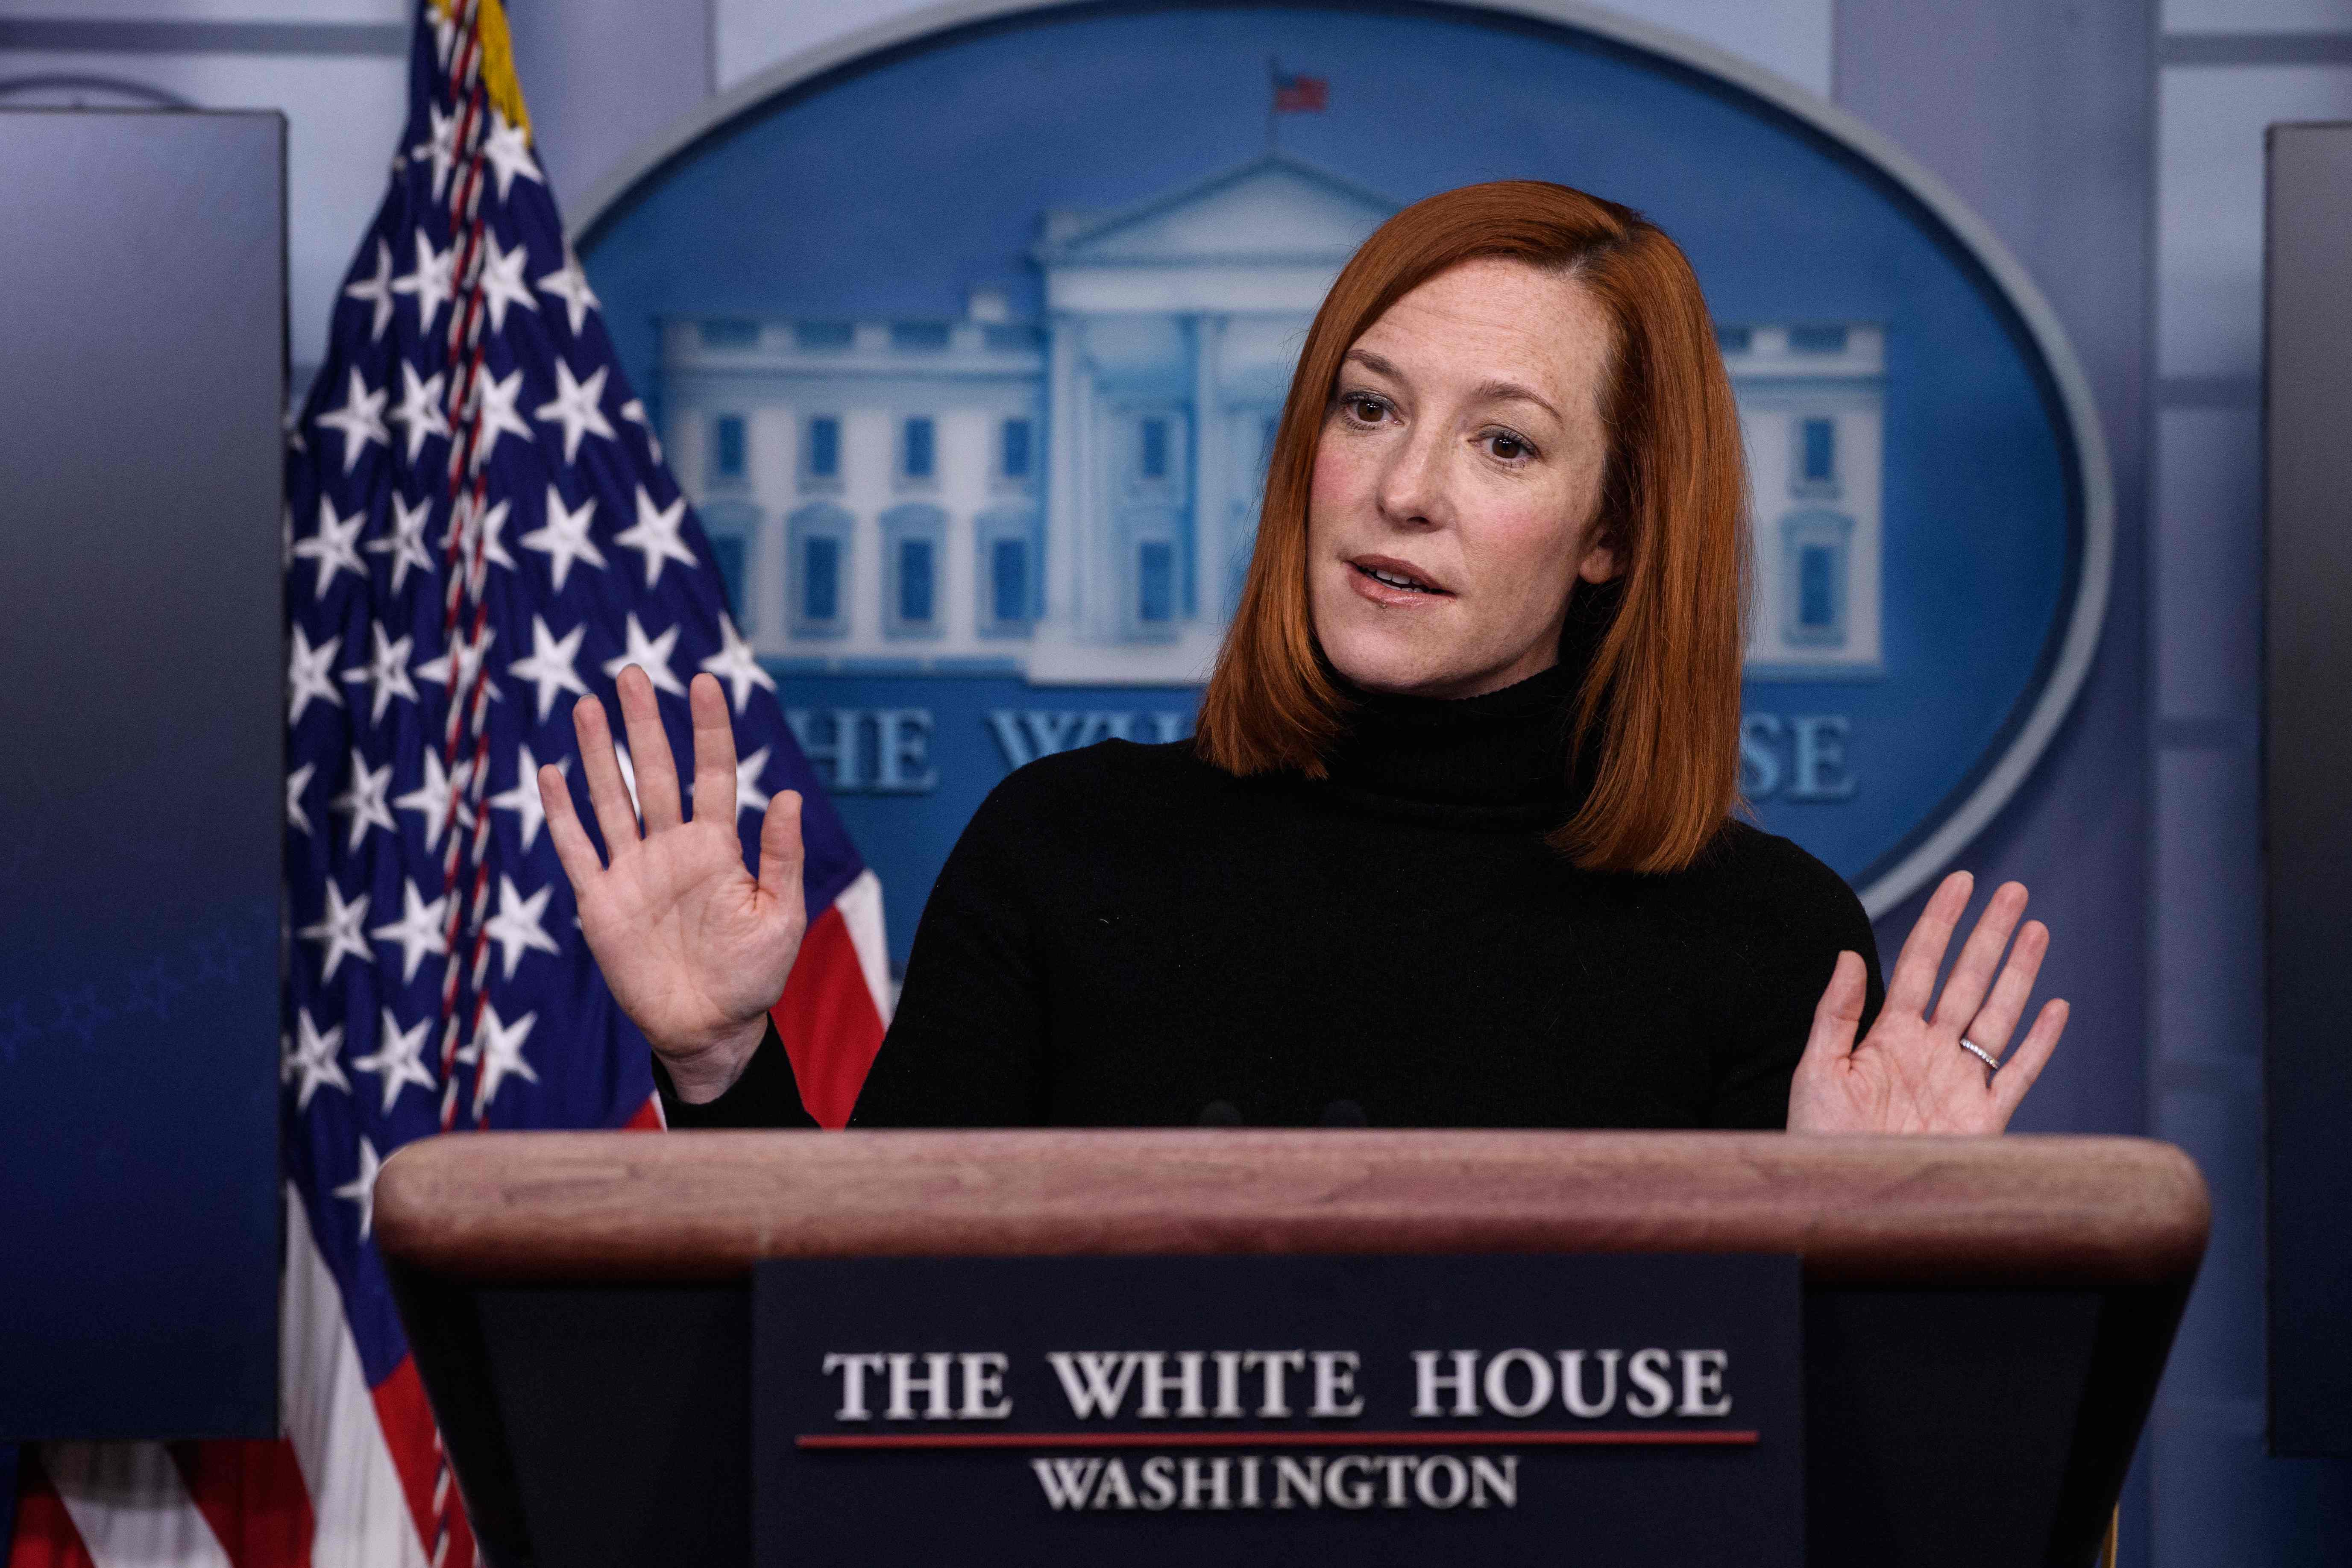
{"points": [[1977, 1051]]}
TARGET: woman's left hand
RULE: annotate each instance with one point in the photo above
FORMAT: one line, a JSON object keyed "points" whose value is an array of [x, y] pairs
{"points": [[1911, 1073]]}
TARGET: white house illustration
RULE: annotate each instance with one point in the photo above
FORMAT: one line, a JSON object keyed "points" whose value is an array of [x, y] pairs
{"points": [[1072, 502]]}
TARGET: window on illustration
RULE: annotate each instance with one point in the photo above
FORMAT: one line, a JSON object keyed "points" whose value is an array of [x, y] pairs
{"points": [[1155, 582], [824, 447], [915, 581], [726, 447], [1008, 580], [919, 449], [820, 579], [1155, 449], [1818, 452], [1016, 449], [1817, 586]]}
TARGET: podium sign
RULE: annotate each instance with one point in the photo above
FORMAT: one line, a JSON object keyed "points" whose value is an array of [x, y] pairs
{"points": [[1148, 1411]]}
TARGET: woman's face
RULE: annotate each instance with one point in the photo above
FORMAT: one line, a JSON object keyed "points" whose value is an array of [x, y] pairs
{"points": [[1457, 483]]}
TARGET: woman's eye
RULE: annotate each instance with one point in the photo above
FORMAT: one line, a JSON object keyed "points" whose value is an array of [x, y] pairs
{"points": [[1510, 448], [1366, 410]]}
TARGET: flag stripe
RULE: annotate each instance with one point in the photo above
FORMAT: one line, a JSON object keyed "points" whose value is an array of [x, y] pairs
{"points": [[130, 1506], [362, 1509], [828, 1020], [251, 1493], [46, 1536]]}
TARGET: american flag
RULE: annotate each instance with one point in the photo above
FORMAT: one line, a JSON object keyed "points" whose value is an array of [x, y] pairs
{"points": [[1300, 94], [478, 529]]}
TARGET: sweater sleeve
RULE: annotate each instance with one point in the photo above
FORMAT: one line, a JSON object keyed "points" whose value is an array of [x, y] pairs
{"points": [[967, 1047], [1794, 916], [766, 1095]]}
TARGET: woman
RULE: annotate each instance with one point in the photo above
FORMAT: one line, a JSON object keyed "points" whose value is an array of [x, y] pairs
{"points": [[1455, 844]]}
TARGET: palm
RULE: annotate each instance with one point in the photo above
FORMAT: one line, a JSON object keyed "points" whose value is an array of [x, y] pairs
{"points": [[1911, 1073], [695, 948]]}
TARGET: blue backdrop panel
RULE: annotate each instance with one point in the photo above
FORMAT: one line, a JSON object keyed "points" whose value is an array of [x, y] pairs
{"points": [[143, 264]]}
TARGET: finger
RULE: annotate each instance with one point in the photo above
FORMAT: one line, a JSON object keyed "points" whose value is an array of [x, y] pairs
{"points": [[1972, 972], [649, 748], [2017, 1074], [714, 751], [608, 797], [572, 846], [1837, 1014], [1913, 980], [781, 854], [1992, 1027]]}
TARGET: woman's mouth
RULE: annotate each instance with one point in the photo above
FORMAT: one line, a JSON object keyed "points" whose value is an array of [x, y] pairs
{"points": [[1383, 578]]}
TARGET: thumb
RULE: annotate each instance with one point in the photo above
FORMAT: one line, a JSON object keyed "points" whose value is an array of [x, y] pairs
{"points": [[1836, 1016], [781, 855]]}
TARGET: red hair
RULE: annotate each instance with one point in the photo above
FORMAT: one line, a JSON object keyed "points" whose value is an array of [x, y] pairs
{"points": [[1659, 709]]}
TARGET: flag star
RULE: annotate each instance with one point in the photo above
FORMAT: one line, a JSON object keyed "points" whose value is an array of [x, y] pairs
{"points": [[749, 795], [419, 931], [656, 535], [405, 544], [360, 419], [507, 147], [524, 798], [375, 292], [331, 546], [311, 1058], [564, 537], [519, 925], [734, 665], [339, 930], [634, 411], [465, 656], [435, 281], [439, 797], [361, 1189], [420, 408], [364, 802], [296, 782], [502, 281], [570, 285], [550, 664], [310, 673], [650, 654], [499, 416], [576, 406], [497, 1046], [398, 1058], [386, 672], [441, 142]]}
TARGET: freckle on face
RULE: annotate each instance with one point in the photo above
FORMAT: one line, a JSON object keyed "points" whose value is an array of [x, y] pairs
{"points": [[1427, 489]]}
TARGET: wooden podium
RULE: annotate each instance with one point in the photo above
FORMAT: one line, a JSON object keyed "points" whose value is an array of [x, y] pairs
{"points": [[1985, 1320]]}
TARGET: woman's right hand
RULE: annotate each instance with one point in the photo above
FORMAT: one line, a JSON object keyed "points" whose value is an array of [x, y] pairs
{"points": [[695, 952]]}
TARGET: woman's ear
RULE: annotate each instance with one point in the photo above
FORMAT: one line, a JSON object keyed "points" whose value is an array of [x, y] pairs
{"points": [[1598, 565]]}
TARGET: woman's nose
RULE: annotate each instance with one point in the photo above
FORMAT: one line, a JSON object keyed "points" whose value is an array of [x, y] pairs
{"points": [[1414, 484]]}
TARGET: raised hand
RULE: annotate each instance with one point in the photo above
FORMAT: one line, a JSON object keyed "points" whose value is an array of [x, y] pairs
{"points": [[695, 950], [1911, 1073]]}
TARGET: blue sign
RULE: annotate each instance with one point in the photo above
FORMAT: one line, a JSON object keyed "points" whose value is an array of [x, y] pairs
{"points": [[1377, 1411], [969, 352]]}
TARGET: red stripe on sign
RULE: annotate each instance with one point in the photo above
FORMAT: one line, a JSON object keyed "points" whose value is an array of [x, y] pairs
{"points": [[1277, 1440], [46, 1536], [827, 1021], [253, 1495], [649, 1118]]}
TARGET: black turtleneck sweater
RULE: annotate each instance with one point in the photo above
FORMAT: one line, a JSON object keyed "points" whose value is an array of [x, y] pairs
{"points": [[1126, 936]]}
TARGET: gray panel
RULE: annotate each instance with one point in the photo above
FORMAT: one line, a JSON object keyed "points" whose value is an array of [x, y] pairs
{"points": [[143, 271], [2308, 656]]}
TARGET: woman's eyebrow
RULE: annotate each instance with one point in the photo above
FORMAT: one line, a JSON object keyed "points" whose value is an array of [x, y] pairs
{"points": [[1374, 362], [1511, 392]]}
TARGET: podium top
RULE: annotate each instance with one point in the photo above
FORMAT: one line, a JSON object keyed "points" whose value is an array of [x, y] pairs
{"points": [[2027, 1210]]}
